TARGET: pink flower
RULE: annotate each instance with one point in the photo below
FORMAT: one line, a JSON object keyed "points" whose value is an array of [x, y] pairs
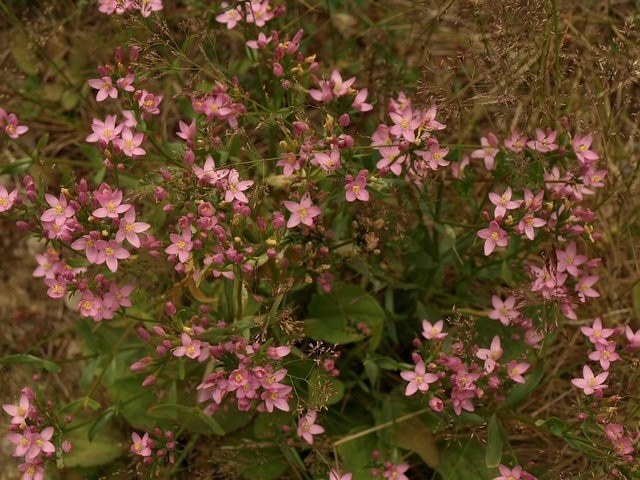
{"points": [[106, 131], [259, 12], [303, 212], [235, 187], [276, 398], [128, 228], [512, 474], [581, 148], [149, 102], [231, 16], [596, 333], [181, 245], [584, 287], [544, 142], [504, 310], [187, 132], [7, 199], [89, 304], [57, 287], [111, 205], [503, 202], [110, 252], [490, 355], [605, 353], [516, 369], [493, 236], [569, 260], [488, 151], [19, 412], [140, 445], [633, 338], [328, 162], [12, 129], [396, 472], [433, 332], [261, 42], [590, 383], [359, 101], [190, 348], [516, 142], [527, 225], [356, 189], [130, 143], [334, 475], [208, 172], [60, 210], [418, 379], [307, 427], [105, 88], [405, 124], [32, 470]]}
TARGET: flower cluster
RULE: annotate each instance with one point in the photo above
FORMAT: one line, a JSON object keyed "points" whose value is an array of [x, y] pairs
{"points": [[119, 7], [32, 435], [154, 449]]}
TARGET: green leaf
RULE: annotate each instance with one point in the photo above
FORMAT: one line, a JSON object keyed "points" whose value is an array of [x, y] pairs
{"points": [[415, 436], [48, 365], [191, 418], [554, 425], [104, 448], [462, 461], [337, 317], [495, 442], [102, 420]]}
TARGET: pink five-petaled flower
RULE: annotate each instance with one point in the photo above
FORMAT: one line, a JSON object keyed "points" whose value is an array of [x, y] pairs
{"points": [[356, 188], [596, 333], [503, 202], [396, 472], [589, 382], [516, 142], [105, 88], [581, 148], [494, 236], [334, 475], [488, 151], [584, 287], [12, 129], [544, 142], [418, 379], [632, 337], [128, 228], [181, 245], [261, 42], [7, 199], [490, 355], [276, 398], [569, 260], [41, 442], [503, 310], [18, 412], [111, 205], [60, 210], [307, 426], [329, 162], [110, 252], [106, 131], [231, 16], [527, 225], [303, 212], [32, 470], [190, 348], [433, 332], [140, 445], [235, 187], [605, 353], [516, 369], [515, 473], [359, 101], [405, 124], [130, 143], [187, 132]]}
